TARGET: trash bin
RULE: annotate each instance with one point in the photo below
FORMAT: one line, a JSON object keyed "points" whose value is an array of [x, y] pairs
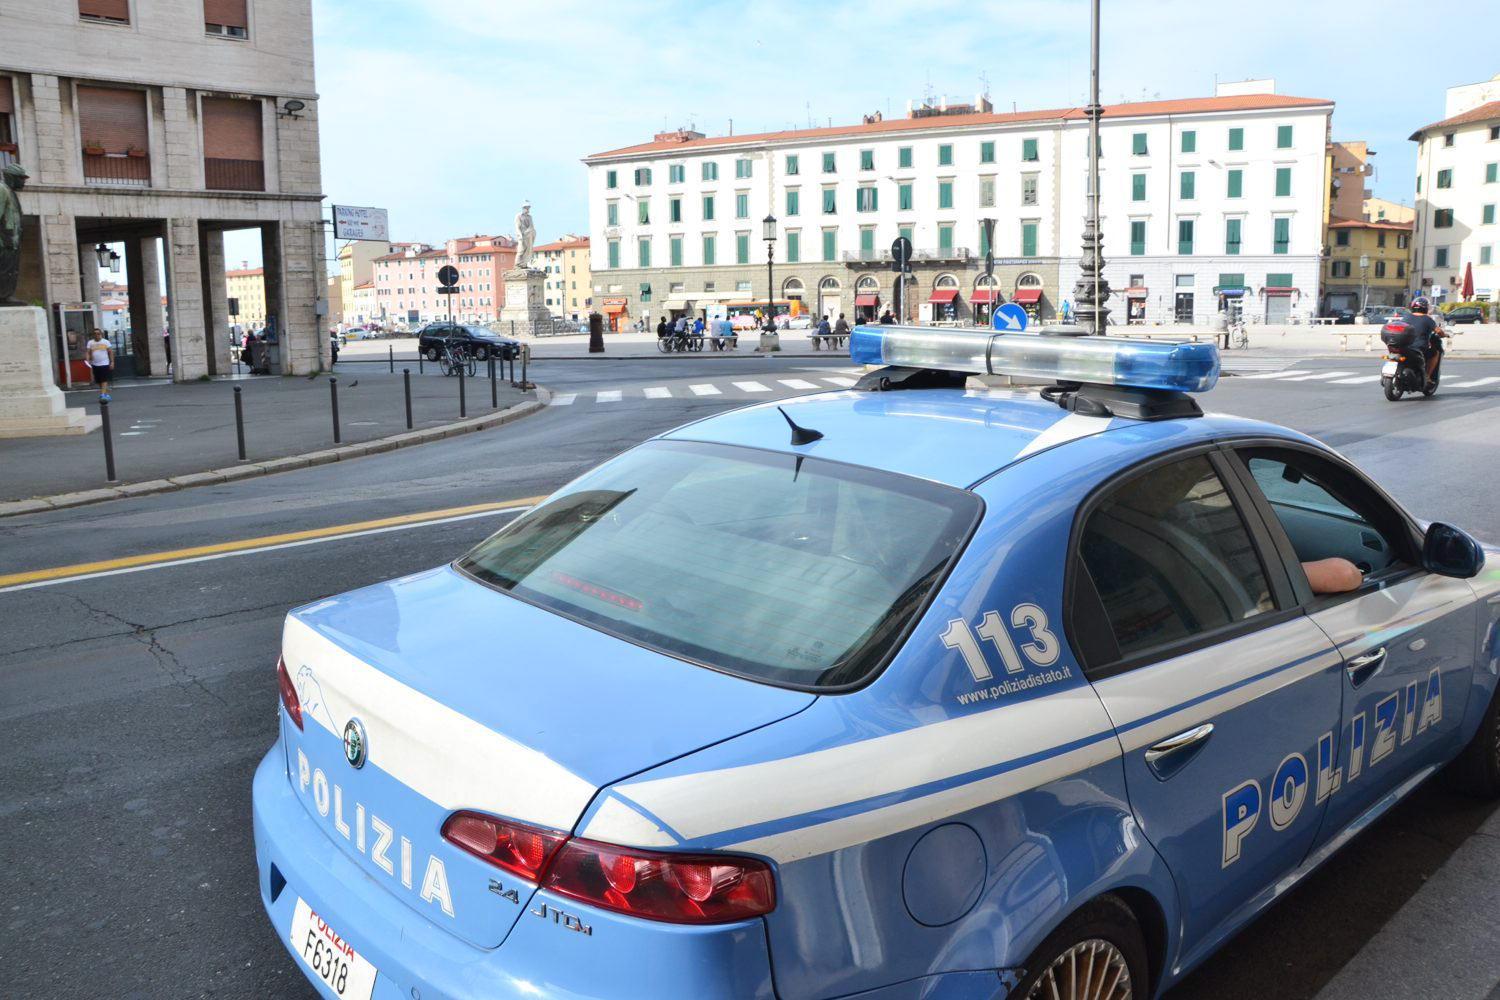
{"points": [[596, 333]]}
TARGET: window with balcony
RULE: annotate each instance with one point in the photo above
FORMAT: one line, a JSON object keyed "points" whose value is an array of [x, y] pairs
{"points": [[1232, 237], [108, 11], [867, 243], [233, 157], [1184, 237], [1028, 151], [945, 238], [226, 18], [112, 125], [1137, 237]]}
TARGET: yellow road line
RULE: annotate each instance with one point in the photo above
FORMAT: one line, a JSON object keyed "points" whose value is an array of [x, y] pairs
{"points": [[150, 558]]}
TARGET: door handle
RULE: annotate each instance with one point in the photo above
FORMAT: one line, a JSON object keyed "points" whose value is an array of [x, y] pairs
{"points": [[1167, 757], [1362, 668]]}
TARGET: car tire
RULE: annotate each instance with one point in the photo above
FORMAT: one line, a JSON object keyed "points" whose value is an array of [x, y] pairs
{"points": [[481, 354], [1476, 770], [1391, 392], [1104, 930], [432, 353]]}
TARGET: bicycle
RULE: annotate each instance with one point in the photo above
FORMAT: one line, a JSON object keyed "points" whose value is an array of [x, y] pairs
{"points": [[456, 358], [1235, 335]]}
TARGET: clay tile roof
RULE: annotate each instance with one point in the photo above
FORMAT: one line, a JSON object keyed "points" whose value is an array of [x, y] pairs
{"points": [[1485, 112], [579, 244], [249, 272], [1185, 106], [1373, 224], [364, 284]]}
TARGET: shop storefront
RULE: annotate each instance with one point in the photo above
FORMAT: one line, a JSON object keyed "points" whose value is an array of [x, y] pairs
{"points": [[984, 300], [1030, 299], [1136, 297], [1279, 300], [616, 314], [1231, 301]]}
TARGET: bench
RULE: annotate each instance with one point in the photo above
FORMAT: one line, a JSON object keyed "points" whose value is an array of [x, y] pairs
{"points": [[832, 341], [1369, 333], [1324, 320], [729, 343]]}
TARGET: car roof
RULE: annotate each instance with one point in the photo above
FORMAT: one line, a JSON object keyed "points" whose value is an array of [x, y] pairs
{"points": [[953, 436]]}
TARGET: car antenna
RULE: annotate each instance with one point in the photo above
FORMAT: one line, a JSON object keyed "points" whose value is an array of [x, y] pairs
{"points": [[800, 435]]}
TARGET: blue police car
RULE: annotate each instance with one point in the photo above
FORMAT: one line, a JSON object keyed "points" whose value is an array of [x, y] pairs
{"points": [[916, 692]]}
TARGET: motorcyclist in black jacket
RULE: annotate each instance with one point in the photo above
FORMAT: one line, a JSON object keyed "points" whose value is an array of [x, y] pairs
{"points": [[1429, 334]]}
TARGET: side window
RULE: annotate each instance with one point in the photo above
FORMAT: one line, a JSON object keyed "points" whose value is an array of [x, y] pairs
{"points": [[1170, 558], [1327, 512]]}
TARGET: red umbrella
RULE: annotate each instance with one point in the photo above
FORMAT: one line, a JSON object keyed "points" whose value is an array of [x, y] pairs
{"points": [[1468, 281]]}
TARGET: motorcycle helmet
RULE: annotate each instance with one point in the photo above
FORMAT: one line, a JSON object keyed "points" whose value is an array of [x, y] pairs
{"points": [[1420, 304]]}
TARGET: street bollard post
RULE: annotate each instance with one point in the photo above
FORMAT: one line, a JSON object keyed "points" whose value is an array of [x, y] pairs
{"points": [[390, 353], [109, 443], [494, 389], [333, 396], [406, 382], [463, 407], [419, 360], [525, 357], [239, 422]]}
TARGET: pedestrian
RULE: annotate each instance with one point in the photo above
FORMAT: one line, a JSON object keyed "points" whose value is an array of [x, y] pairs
{"points": [[1067, 311], [661, 328], [333, 348], [886, 319], [841, 328], [101, 358], [679, 326], [698, 326], [823, 329]]}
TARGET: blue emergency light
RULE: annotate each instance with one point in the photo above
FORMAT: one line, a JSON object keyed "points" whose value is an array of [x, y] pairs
{"points": [[1111, 361]]}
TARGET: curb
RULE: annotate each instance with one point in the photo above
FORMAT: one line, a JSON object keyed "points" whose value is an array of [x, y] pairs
{"points": [[250, 470]]}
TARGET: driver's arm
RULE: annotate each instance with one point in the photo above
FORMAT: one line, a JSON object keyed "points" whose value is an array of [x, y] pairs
{"points": [[1333, 576]]}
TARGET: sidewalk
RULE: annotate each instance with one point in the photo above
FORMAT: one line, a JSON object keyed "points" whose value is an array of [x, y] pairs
{"points": [[1441, 944], [163, 430]]}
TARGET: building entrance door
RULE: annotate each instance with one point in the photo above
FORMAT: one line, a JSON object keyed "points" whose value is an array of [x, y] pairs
{"points": [[1184, 308], [1278, 308]]}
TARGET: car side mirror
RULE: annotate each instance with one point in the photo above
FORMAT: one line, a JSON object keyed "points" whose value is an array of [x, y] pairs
{"points": [[1448, 551]]}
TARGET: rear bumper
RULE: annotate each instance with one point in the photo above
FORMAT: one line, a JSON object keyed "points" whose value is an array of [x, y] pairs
{"points": [[620, 957]]}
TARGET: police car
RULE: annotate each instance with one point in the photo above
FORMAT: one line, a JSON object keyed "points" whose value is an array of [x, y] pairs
{"points": [[915, 692]]}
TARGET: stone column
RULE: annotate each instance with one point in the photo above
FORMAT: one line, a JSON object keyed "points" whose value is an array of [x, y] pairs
{"points": [[216, 300], [271, 278], [185, 299], [304, 338], [153, 315], [88, 273]]}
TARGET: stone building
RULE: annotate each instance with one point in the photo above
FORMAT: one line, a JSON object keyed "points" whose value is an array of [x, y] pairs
{"points": [[154, 127]]}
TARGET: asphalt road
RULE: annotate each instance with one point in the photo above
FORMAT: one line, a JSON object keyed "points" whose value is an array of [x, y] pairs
{"points": [[134, 707]]}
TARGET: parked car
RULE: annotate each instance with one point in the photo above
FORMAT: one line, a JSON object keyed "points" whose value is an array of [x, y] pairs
{"points": [[1341, 316], [1465, 314], [1377, 315], [483, 343]]}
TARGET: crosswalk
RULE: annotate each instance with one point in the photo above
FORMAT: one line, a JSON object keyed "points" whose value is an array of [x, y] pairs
{"points": [[702, 390], [1335, 377]]}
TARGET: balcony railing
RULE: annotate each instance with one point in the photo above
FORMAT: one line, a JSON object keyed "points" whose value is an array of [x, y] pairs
{"points": [[234, 175], [117, 170], [929, 253]]}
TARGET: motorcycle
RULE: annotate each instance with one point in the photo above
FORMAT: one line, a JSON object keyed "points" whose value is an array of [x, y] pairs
{"points": [[1405, 367]]}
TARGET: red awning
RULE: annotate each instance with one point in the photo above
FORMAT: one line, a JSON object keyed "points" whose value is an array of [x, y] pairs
{"points": [[1135, 293], [867, 300], [1027, 296], [943, 295], [1282, 291], [982, 295], [614, 307]]}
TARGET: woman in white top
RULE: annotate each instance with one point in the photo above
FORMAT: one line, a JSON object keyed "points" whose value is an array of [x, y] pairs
{"points": [[101, 355]]}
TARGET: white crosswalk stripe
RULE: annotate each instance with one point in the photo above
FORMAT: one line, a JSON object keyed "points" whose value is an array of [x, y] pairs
{"points": [[838, 380], [1473, 382], [564, 398], [608, 396], [797, 383], [657, 392], [1281, 374], [752, 387], [1356, 380], [1315, 376], [704, 390]]}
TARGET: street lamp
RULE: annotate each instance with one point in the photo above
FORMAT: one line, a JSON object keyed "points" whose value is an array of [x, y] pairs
{"points": [[768, 233], [102, 252], [114, 262]]}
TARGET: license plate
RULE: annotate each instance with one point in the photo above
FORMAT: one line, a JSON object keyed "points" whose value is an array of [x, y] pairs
{"points": [[329, 957], [1389, 368]]}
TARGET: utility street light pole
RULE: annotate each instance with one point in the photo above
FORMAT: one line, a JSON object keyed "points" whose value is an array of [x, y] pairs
{"points": [[1092, 290], [770, 340]]}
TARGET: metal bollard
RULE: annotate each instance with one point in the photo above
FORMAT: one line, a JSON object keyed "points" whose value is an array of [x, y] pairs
{"points": [[406, 382], [525, 357], [390, 353], [109, 443], [239, 422], [463, 407], [494, 389], [419, 361], [333, 396]]}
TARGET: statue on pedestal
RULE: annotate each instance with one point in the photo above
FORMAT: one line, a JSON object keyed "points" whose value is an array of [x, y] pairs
{"points": [[525, 236], [14, 177]]}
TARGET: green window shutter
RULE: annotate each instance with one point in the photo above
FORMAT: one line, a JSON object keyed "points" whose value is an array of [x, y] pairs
{"points": [[643, 212], [1138, 144], [1236, 183], [829, 163], [1137, 187], [867, 159], [986, 152], [710, 171], [1484, 254], [742, 248], [866, 241], [945, 194], [676, 251], [1236, 138], [1187, 183], [1028, 149], [614, 253], [1283, 182], [708, 250], [945, 155], [742, 206], [904, 157], [905, 231], [1028, 239], [1184, 237], [1137, 238], [612, 214], [742, 168], [984, 240], [793, 247], [1283, 137], [792, 166], [793, 202], [1283, 237], [1190, 142], [644, 253], [708, 207], [674, 209], [612, 179], [945, 237], [1489, 172], [1231, 240], [830, 201], [1489, 215], [1445, 178], [1279, 280], [1232, 280], [903, 197], [830, 244]]}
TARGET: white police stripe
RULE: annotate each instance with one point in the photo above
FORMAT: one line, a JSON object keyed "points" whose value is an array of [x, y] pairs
{"points": [[439, 753], [1070, 427]]}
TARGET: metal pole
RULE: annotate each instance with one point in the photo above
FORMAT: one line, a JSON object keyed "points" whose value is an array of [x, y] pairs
{"points": [[770, 287], [109, 443], [525, 356], [1095, 109], [463, 410], [391, 356], [406, 383], [239, 422], [333, 396], [494, 389]]}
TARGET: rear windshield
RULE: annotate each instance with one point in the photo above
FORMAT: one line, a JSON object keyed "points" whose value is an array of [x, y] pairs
{"points": [[776, 567]]}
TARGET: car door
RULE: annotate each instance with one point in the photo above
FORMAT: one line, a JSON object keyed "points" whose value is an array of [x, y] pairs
{"points": [[1217, 684], [1406, 636]]}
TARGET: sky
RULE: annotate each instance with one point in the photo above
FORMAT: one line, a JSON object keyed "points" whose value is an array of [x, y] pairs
{"points": [[450, 113]]}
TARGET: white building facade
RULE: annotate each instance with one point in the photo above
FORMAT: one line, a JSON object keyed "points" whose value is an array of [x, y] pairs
{"points": [[1458, 196], [1198, 196]]}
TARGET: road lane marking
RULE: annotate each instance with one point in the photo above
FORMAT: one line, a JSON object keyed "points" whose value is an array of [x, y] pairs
{"points": [[264, 543], [1280, 374], [564, 398], [1473, 382], [839, 380], [704, 390], [607, 396], [1356, 380], [752, 387], [1317, 375], [657, 392], [797, 383]]}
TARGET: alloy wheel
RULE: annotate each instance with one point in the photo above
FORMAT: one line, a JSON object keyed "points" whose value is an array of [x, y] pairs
{"points": [[1090, 970]]}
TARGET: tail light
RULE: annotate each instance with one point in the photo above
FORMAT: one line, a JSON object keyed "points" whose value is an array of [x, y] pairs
{"points": [[655, 885], [289, 699]]}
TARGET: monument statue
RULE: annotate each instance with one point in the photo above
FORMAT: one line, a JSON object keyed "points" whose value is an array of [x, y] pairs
{"points": [[525, 236], [14, 177]]}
